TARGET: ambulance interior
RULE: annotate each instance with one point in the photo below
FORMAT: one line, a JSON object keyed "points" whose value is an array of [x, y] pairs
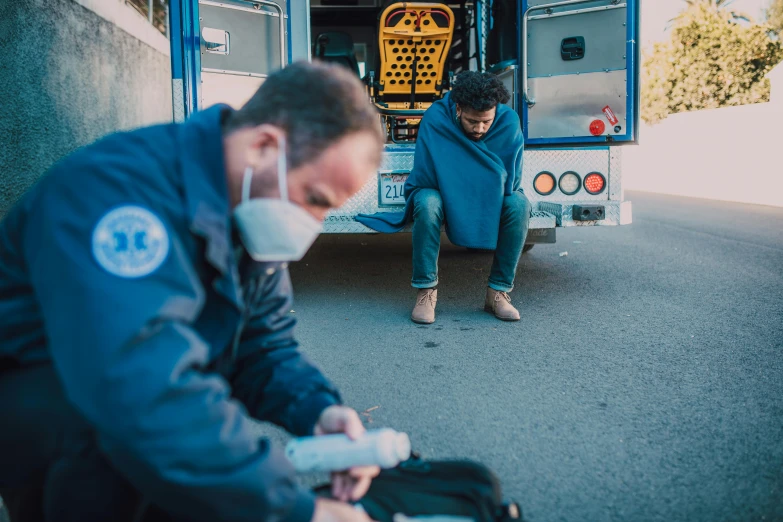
{"points": [[406, 53]]}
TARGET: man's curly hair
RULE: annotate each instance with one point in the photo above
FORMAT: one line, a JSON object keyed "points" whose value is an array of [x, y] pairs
{"points": [[479, 91]]}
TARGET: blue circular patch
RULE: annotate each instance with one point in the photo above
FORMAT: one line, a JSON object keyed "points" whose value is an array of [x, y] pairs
{"points": [[130, 242]]}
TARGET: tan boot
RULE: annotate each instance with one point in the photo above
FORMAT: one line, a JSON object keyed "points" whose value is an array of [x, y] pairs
{"points": [[424, 311], [499, 303]]}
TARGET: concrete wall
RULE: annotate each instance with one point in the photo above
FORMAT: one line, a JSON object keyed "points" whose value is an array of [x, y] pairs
{"points": [[69, 75], [729, 154]]}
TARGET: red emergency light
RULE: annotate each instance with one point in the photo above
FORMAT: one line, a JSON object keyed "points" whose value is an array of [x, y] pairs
{"points": [[594, 183]]}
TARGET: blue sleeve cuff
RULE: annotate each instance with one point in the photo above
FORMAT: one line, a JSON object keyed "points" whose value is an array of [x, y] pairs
{"points": [[304, 507], [308, 412]]}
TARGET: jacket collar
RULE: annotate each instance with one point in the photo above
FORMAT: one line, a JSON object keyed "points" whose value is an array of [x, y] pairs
{"points": [[206, 194]]}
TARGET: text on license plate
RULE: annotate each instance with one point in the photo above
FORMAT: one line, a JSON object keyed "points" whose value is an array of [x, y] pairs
{"points": [[391, 188]]}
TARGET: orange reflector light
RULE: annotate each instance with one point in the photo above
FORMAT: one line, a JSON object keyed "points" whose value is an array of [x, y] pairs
{"points": [[544, 183], [594, 183]]}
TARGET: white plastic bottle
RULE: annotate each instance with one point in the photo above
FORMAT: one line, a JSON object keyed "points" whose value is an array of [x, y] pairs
{"points": [[385, 448]]}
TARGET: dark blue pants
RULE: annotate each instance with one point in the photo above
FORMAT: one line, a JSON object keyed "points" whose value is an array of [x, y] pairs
{"points": [[50, 466], [428, 218]]}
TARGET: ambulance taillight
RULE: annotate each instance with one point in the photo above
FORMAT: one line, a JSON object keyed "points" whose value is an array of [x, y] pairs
{"points": [[595, 183], [570, 183], [544, 183]]}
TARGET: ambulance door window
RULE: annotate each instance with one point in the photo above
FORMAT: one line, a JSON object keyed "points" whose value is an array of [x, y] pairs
{"points": [[241, 42]]}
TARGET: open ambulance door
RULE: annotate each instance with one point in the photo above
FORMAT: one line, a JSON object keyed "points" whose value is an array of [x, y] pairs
{"points": [[578, 74], [221, 51]]}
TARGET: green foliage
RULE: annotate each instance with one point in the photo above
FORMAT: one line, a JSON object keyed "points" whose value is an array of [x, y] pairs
{"points": [[775, 16], [159, 11], [709, 62], [716, 3]]}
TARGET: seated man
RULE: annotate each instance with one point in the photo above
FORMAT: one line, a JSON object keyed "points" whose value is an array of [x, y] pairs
{"points": [[466, 174]]}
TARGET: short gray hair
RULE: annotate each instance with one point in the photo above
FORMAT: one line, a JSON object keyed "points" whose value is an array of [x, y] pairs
{"points": [[317, 104]]}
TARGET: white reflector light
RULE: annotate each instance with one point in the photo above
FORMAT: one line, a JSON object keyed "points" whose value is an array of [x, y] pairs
{"points": [[570, 183]]}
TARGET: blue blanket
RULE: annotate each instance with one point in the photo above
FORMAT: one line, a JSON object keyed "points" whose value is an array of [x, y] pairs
{"points": [[472, 176]]}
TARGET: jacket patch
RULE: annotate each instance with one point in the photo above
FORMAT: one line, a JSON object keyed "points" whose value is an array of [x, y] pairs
{"points": [[130, 242]]}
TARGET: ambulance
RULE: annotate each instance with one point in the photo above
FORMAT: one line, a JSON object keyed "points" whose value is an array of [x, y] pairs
{"points": [[572, 67]]}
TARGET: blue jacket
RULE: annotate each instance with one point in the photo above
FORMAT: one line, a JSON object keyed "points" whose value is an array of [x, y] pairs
{"points": [[120, 267]]}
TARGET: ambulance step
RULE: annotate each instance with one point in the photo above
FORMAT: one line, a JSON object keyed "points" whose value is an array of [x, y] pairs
{"points": [[541, 219], [344, 224], [613, 212]]}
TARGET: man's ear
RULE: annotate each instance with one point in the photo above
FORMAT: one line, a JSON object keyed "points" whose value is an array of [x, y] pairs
{"points": [[263, 145]]}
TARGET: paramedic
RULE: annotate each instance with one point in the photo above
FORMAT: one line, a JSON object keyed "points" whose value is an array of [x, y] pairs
{"points": [[146, 320], [466, 174]]}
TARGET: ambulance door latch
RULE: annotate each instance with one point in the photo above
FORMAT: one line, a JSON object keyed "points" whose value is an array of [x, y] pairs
{"points": [[572, 48]]}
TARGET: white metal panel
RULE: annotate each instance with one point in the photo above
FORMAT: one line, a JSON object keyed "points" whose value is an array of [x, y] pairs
{"points": [[178, 100], [566, 105], [616, 192], [549, 211], [230, 89], [604, 34], [254, 36], [560, 161]]}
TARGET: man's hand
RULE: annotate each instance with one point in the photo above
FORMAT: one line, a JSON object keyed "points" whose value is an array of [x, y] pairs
{"points": [[354, 483], [332, 511]]}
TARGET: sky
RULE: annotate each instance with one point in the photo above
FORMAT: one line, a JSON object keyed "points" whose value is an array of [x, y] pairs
{"points": [[656, 14]]}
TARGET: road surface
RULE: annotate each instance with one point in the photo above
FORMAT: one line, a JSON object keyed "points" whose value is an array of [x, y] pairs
{"points": [[644, 381]]}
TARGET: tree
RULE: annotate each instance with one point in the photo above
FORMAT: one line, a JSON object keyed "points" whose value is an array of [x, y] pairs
{"points": [[713, 4], [159, 11], [775, 16], [709, 62]]}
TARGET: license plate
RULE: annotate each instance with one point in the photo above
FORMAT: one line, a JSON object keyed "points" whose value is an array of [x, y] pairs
{"points": [[391, 187]]}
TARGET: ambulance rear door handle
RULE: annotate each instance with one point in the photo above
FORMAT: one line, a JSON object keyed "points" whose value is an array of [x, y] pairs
{"points": [[572, 48]]}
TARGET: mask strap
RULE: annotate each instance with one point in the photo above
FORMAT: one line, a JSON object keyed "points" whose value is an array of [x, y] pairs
{"points": [[282, 169], [282, 174], [246, 179]]}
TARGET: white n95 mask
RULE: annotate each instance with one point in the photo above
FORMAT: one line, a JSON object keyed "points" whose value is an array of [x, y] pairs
{"points": [[274, 229]]}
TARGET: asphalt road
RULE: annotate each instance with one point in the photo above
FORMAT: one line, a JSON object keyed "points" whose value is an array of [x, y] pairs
{"points": [[644, 381]]}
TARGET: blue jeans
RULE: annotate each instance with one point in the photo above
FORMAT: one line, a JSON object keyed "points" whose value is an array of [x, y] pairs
{"points": [[427, 221], [51, 467]]}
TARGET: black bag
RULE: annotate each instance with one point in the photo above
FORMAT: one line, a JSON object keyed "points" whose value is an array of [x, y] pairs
{"points": [[428, 488]]}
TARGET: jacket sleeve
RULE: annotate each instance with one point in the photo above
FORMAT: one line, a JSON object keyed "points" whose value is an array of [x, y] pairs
{"points": [[273, 378], [133, 364]]}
